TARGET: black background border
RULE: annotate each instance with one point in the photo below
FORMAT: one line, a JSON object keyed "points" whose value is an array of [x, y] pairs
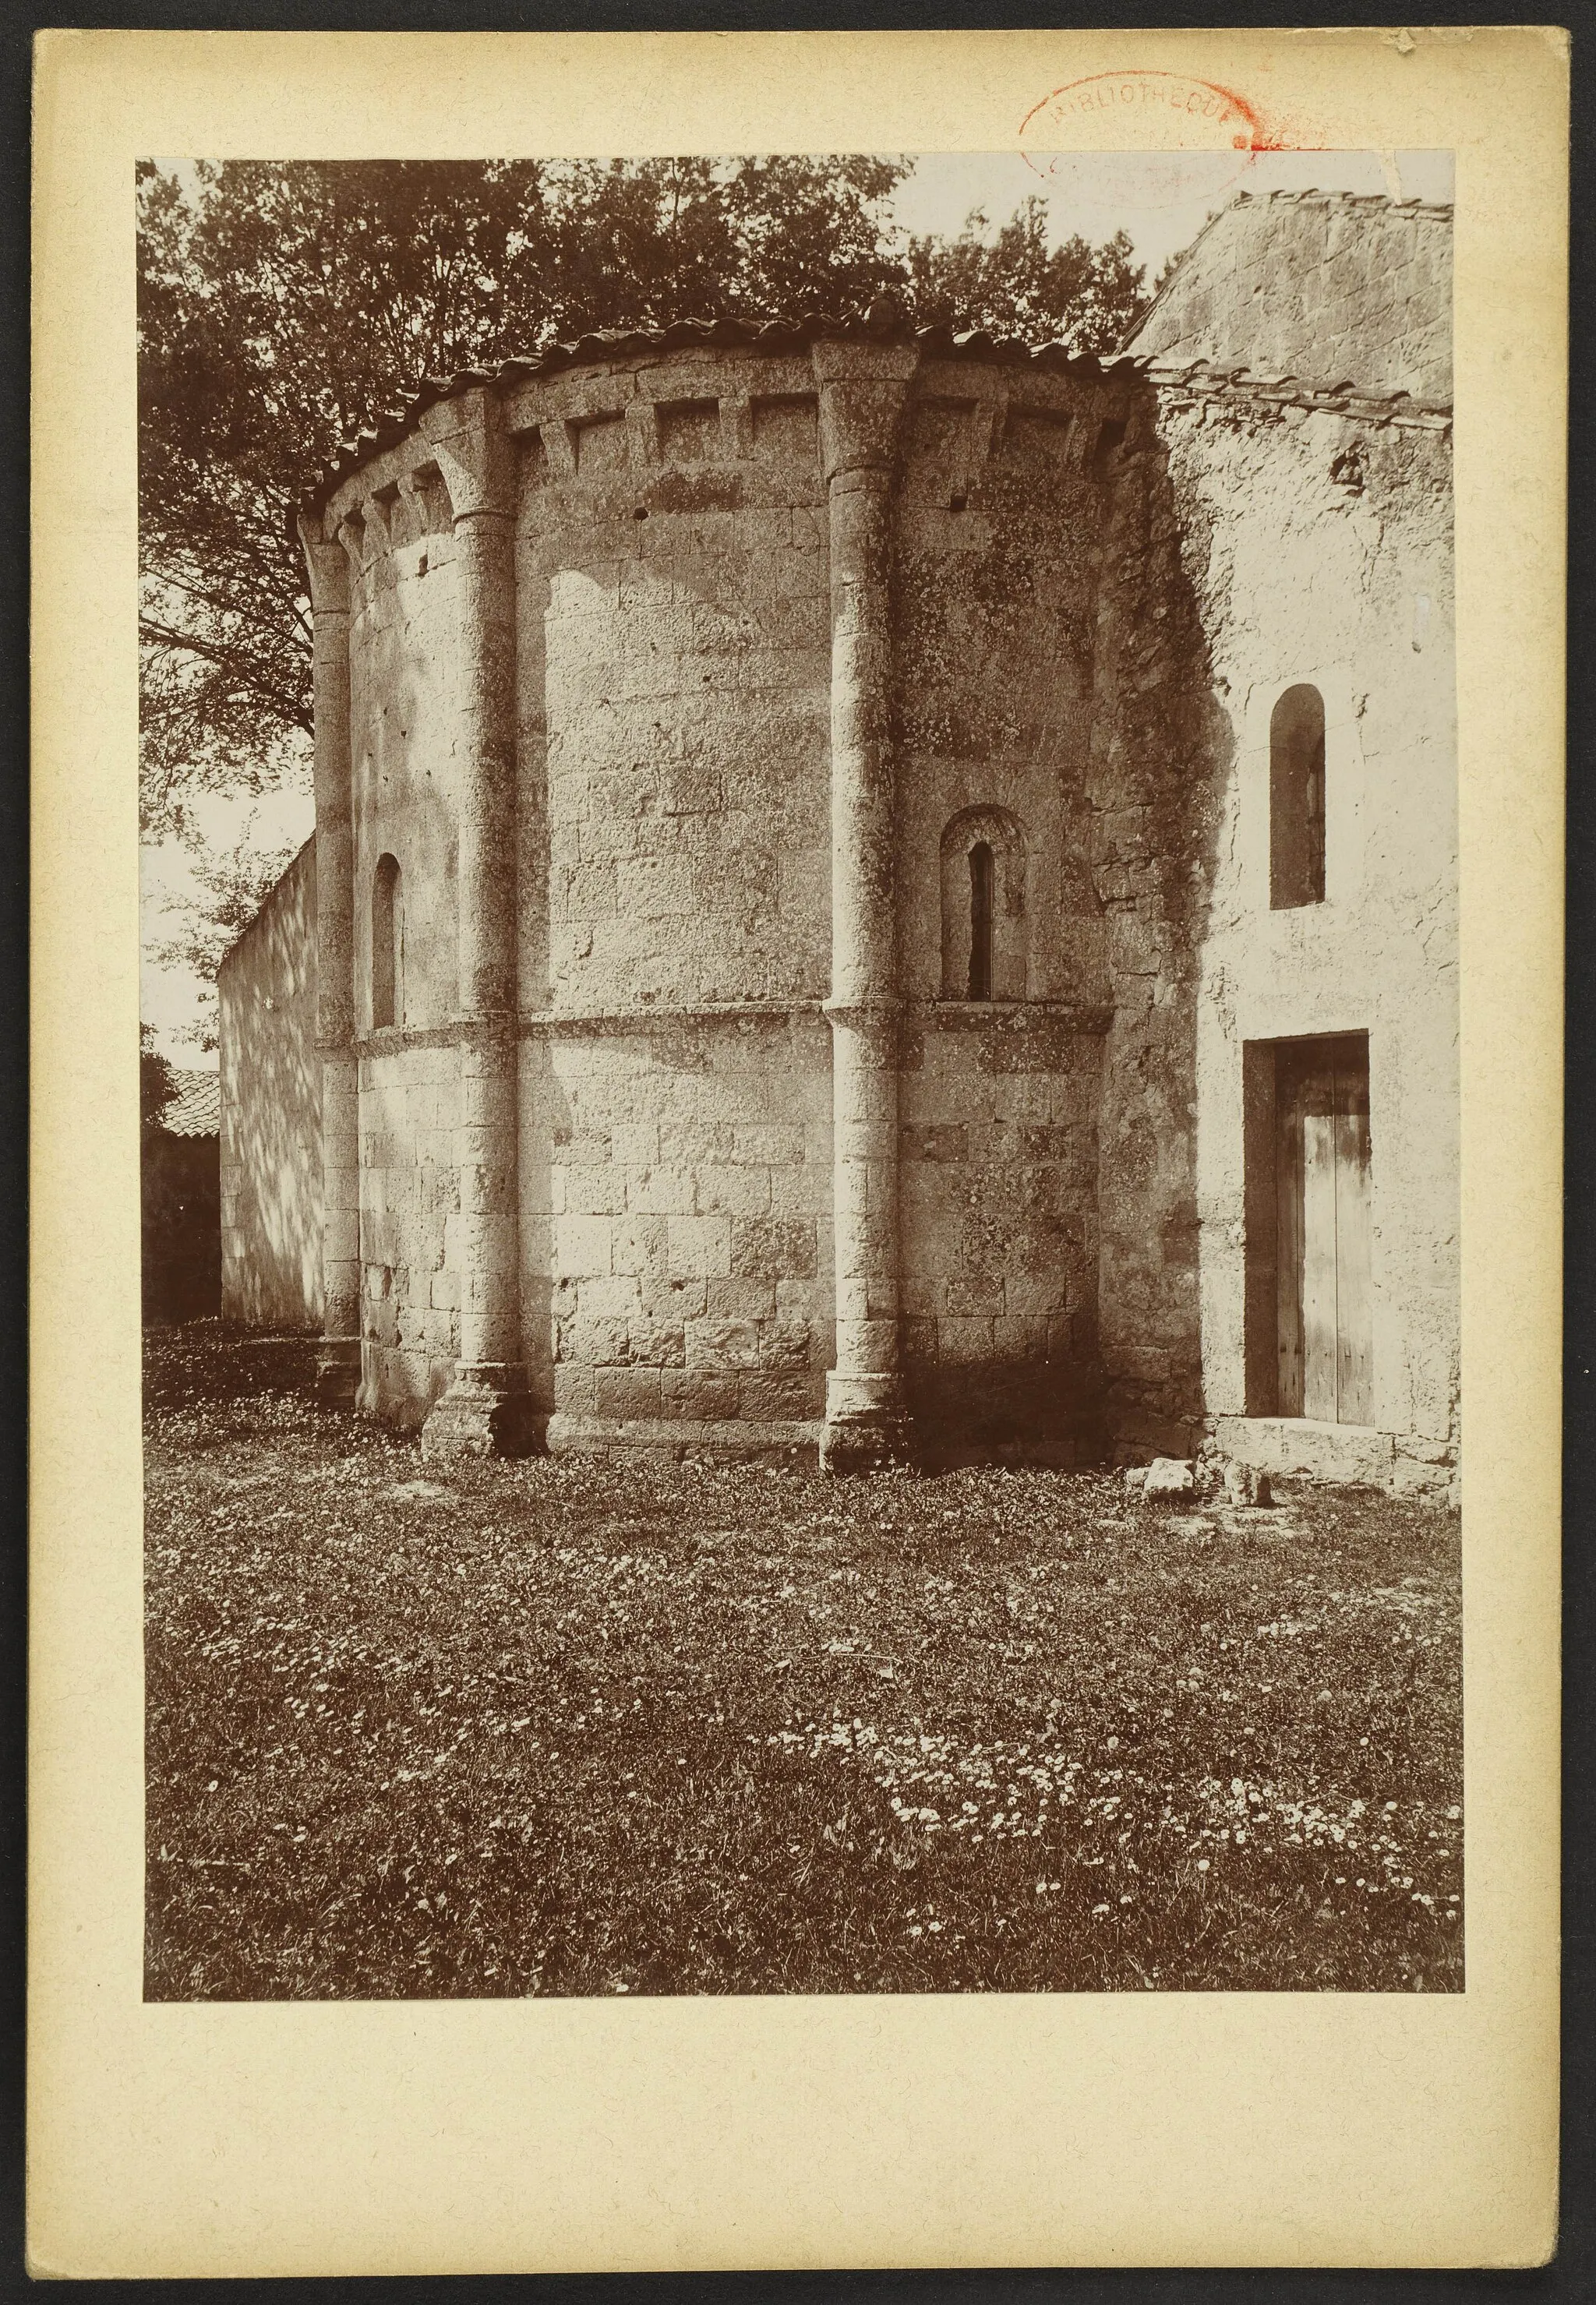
{"points": [[1571, 2275]]}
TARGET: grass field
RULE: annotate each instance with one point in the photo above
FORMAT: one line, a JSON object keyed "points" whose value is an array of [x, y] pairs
{"points": [[565, 1727]]}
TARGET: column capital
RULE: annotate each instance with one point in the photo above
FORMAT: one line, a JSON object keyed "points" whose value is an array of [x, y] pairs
{"points": [[475, 453], [327, 565], [862, 390]]}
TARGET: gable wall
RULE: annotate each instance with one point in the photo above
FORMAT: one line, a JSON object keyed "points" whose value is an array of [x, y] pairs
{"points": [[271, 1111]]}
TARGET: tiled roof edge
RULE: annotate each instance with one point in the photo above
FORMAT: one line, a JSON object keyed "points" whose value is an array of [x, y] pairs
{"points": [[777, 334], [195, 1106], [1214, 381], [1330, 198], [772, 334]]}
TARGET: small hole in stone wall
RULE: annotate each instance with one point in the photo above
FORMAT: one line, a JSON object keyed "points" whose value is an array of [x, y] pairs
{"points": [[642, 513], [1348, 469], [421, 565], [956, 504]]}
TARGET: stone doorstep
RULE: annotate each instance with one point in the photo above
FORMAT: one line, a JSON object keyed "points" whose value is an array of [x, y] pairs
{"points": [[738, 1439], [1350, 1453]]}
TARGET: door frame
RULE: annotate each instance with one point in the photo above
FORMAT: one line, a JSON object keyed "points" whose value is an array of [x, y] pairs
{"points": [[1264, 1063]]}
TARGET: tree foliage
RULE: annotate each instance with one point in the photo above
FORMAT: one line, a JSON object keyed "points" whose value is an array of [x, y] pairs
{"points": [[228, 888], [1015, 285], [158, 1083], [281, 306]]}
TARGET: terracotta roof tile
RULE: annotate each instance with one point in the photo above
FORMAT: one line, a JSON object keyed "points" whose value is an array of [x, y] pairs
{"points": [[781, 332], [196, 1109]]}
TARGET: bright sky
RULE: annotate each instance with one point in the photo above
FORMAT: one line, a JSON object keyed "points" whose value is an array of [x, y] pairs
{"points": [[1162, 200]]}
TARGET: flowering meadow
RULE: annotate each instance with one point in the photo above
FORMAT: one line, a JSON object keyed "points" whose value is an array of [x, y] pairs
{"points": [[577, 1728]]}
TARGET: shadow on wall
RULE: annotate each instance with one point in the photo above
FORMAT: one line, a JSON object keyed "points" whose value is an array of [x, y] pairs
{"points": [[271, 1112], [1060, 735], [1162, 750], [179, 1183]]}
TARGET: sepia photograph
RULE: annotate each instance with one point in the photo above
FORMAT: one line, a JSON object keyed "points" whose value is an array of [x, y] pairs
{"points": [[799, 1070]]}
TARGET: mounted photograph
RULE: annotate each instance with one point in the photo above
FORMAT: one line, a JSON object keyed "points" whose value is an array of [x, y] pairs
{"points": [[800, 1076]]}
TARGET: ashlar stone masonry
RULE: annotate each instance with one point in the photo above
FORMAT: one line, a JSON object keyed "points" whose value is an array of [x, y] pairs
{"points": [[827, 938]]}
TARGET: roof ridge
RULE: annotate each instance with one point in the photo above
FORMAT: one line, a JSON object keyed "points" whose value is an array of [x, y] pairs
{"points": [[1332, 196]]}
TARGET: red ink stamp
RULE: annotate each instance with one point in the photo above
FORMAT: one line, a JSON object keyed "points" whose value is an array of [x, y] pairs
{"points": [[1162, 114]]}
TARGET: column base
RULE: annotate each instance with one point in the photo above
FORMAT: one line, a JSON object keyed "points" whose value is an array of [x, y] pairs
{"points": [[486, 1412], [868, 1429], [337, 1371]]}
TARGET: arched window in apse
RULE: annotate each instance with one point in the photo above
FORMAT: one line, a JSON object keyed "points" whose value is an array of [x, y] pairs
{"points": [[985, 928], [982, 875], [387, 937], [1296, 799]]}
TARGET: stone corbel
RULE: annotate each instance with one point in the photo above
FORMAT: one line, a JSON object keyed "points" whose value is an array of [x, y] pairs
{"points": [[429, 499], [377, 511], [736, 426], [412, 521], [642, 434], [983, 437], [559, 448], [384, 521], [352, 536]]}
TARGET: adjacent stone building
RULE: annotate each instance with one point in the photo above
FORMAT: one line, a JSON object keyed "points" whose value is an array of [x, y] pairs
{"points": [[178, 1177], [892, 893]]}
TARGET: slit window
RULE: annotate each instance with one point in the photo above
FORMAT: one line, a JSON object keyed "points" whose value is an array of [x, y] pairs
{"points": [[983, 876], [984, 925], [386, 942], [1296, 800]]}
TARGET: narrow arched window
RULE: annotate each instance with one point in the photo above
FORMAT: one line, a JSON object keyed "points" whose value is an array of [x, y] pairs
{"points": [[985, 927], [981, 877], [1296, 799], [386, 943]]}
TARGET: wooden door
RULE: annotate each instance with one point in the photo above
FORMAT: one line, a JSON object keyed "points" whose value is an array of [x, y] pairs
{"points": [[1325, 1308]]}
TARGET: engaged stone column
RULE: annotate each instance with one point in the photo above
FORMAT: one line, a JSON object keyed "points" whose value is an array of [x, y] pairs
{"points": [[483, 1413], [338, 1363], [862, 388]]}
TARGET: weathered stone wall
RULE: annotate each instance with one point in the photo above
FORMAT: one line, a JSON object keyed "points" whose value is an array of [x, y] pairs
{"points": [[674, 675], [707, 664], [409, 1196], [673, 665], [271, 1111], [404, 714], [677, 1232], [1001, 511], [1330, 287], [1159, 746], [1344, 582]]}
